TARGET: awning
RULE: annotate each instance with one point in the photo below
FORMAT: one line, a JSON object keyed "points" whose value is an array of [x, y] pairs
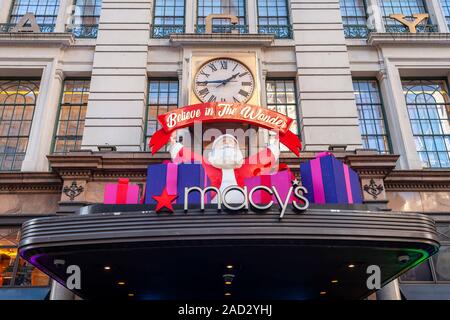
{"points": [[318, 254]]}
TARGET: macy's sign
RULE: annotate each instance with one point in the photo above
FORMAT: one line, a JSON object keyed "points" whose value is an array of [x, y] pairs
{"points": [[297, 192]]}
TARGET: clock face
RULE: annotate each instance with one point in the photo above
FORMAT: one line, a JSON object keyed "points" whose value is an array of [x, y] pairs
{"points": [[224, 80]]}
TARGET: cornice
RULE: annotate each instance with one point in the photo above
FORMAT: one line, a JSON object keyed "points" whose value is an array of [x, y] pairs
{"points": [[386, 38], [30, 182], [63, 39], [418, 180], [213, 39]]}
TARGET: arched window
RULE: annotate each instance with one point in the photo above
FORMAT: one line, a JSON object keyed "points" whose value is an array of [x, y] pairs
{"points": [[17, 104], [429, 109]]}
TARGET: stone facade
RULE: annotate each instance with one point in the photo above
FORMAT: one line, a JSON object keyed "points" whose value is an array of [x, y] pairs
{"points": [[124, 55]]}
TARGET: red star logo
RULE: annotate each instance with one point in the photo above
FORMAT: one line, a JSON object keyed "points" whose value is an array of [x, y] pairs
{"points": [[164, 200]]}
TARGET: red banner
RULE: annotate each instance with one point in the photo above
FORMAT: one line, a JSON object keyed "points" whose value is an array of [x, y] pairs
{"points": [[224, 112]]}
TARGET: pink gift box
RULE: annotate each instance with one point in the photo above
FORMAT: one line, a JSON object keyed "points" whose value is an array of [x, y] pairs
{"points": [[121, 193], [282, 180]]}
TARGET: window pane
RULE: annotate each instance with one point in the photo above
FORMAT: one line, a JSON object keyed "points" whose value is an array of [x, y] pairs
{"points": [[371, 119], [71, 116], [280, 96], [162, 97], [85, 18], [234, 7], [168, 18], [406, 7], [46, 11], [428, 106], [446, 9], [17, 103]]}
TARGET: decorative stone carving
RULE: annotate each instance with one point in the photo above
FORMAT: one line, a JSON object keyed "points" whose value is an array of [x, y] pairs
{"points": [[73, 190], [373, 188]]}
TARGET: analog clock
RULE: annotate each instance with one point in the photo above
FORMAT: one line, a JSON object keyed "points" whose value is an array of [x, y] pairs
{"points": [[224, 80]]}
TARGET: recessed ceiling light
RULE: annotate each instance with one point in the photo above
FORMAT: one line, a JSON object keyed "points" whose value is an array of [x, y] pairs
{"points": [[323, 293], [334, 281], [120, 283], [131, 294], [227, 294], [227, 282], [351, 265], [229, 266], [107, 268]]}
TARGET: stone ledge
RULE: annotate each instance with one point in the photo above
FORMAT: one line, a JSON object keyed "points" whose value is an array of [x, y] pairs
{"points": [[418, 180], [377, 38], [30, 182], [44, 38], [243, 39]]}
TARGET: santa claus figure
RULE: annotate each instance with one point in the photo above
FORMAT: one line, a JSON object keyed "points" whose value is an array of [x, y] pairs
{"points": [[225, 165]]}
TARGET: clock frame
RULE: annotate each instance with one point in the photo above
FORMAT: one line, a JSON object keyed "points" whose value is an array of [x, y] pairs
{"points": [[244, 65]]}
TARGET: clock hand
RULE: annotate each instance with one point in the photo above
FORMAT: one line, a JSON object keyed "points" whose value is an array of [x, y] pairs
{"points": [[224, 82], [212, 81]]}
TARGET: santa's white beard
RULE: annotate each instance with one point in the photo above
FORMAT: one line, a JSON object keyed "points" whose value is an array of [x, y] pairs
{"points": [[227, 159]]}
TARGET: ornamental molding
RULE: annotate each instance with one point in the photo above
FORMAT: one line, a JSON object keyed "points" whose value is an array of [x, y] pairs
{"points": [[59, 39], [419, 39], [30, 182], [418, 180], [213, 39]]}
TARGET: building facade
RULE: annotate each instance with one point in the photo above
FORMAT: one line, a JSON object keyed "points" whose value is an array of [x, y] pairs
{"points": [[80, 96]]}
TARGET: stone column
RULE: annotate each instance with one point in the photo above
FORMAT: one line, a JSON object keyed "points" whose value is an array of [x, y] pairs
{"points": [[64, 14], [190, 18], [327, 102], [5, 9], [252, 17], [58, 292], [437, 15], [375, 15], [117, 100], [397, 117], [42, 128], [390, 291]]}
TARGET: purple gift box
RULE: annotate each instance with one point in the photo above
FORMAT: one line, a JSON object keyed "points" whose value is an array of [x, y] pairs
{"points": [[175, 177], [329, 180]]}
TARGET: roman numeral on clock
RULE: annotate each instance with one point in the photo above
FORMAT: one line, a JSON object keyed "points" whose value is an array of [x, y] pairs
{"points": [[245, 84], [203, 92], [224, 64], [212, 98], [243, 93], [204, 74], [243, 74], [212, 66], [235, 100]]}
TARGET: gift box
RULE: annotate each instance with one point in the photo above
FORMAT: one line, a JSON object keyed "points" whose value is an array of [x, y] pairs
{"points": [[282, 180], [329, 180], [175, 177], [121, 193]]}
